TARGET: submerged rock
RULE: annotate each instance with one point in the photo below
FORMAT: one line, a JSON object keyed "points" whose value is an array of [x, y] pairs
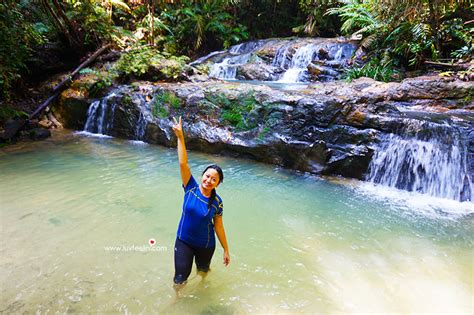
{"points": [[39, 133], [11, 128]]}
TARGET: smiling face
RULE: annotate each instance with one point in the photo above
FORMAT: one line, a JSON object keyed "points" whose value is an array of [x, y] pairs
{"points": [[210, 179]]}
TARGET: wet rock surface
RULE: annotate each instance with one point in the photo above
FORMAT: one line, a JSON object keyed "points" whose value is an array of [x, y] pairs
{"points": [[330, 128]]}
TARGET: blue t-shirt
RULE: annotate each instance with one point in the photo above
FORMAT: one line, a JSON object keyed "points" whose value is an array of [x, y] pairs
{"points": [[196, 226]]}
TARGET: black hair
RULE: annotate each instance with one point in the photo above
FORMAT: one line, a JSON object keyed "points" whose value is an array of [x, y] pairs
{"points": [[218, 169]]}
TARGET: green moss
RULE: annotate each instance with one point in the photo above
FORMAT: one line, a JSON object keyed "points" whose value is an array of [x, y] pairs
{"points": [[126, 100], [171, 99], [263, 133], [158, 109], [239, 112], [163, 102]]}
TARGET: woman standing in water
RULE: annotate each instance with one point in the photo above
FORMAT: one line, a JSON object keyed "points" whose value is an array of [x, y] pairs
{"points": [[202, 214]]}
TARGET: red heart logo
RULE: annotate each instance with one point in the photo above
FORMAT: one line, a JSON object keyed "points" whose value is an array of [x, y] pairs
{"points": [[151, 241]]}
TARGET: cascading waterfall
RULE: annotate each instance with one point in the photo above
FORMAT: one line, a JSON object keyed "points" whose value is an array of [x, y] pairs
{"points": [[100, 116], [297, 68], [281, 56], [433, 162], [293, 57], [227, 68], [240, 55], [299, 64]]}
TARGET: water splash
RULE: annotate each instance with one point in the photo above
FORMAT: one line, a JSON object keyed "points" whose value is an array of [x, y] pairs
{"points": [[281, 59]]}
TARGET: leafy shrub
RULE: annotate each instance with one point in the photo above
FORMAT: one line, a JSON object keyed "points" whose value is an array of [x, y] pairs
{"points": [[409, 31], [102, 82], [17, 38], [94, 21], [7, 112], [375, 69], [202, 25], [140, 60]]}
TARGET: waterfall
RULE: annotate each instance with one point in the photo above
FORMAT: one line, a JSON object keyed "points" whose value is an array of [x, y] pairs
{"points": [[205, 58], [338, 53], [141, 126], [281, 56], [227, 68], [239, 55], [100, 116], [434, 161], [298, 67], [286, 59]]}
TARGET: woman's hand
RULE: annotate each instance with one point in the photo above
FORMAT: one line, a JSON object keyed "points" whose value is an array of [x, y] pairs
{"points": [[226, 258], [178, 127]]}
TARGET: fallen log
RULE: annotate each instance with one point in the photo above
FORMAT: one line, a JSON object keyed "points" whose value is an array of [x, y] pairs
{"points": [[451, 66], [12, 131], [63, 84]]}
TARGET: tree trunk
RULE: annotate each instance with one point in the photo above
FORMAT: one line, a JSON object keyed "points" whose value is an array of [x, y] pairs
{"points": [[433, 21], [58, 22], [71, 28], [151, 12]]}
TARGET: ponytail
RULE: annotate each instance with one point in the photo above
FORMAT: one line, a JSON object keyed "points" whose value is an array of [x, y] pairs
{"points": [[211, 199]]}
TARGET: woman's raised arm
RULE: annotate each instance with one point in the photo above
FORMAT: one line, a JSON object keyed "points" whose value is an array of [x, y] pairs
{"points": [[182, 155]]}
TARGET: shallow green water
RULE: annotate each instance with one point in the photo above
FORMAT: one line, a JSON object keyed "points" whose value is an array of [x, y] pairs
{"points": [[298, 243]]}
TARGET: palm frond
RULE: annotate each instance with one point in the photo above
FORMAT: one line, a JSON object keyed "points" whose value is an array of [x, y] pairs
{"points": [[121, 4], [368, 41]]}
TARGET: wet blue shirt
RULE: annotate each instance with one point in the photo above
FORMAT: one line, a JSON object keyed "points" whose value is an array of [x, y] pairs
{"points": [[196, 226]]}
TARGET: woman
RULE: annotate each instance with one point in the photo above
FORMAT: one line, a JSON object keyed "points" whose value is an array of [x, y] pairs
{"points": [[202, 214]]}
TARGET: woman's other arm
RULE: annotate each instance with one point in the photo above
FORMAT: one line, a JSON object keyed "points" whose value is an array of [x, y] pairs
{"points": [[219, 228], [182, 155]]}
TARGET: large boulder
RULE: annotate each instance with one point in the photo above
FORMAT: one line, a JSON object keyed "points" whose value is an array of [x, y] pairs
{"points": [[71, 108]]}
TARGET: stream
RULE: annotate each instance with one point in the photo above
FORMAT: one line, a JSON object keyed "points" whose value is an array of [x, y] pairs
{"points": [[78, 211]]}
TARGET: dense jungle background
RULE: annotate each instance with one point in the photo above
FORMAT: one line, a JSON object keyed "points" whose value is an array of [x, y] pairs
{"points": [[41, 38]]}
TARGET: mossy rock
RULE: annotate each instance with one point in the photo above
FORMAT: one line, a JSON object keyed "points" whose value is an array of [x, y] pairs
{"points": [[71, 109]]}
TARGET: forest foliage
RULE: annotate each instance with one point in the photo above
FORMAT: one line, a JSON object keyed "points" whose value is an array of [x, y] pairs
{"points": [[397, 34]]}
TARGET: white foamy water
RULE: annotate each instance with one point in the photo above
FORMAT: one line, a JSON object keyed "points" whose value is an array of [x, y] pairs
{"points": [[77, 213], [417, 203], [91, 134]]}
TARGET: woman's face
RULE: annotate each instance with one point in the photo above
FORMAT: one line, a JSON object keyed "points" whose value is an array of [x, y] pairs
{"points": [[210, 179]]}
